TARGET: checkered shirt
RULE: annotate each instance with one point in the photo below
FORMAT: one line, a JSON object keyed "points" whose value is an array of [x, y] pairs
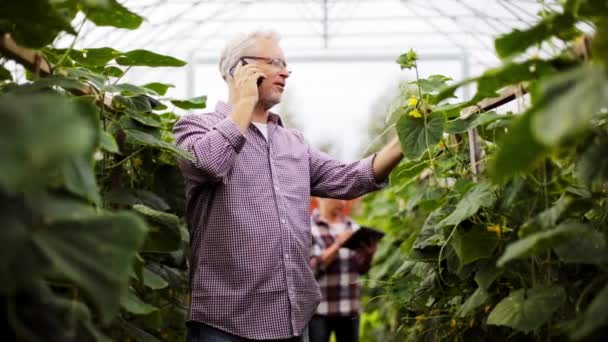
{"points": [[340, 291], [248, 207]]}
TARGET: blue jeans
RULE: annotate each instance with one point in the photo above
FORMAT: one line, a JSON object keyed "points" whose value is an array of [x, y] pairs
{"points": [[200, 332]]}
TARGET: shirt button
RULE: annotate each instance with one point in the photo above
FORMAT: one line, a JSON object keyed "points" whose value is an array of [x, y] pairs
{"points": [[276, 188], [286, 256], [282, 220]]}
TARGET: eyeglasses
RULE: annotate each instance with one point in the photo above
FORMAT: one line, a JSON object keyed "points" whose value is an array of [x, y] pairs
{"points": [[275, 62]]}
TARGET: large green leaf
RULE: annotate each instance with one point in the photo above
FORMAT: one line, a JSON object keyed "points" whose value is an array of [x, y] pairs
{"points": [[595, 316], [38, 135], [473, 244], [153, 280], [462, 125], [519, 41], [159, 88], [148, 58], [108, 143], [519, 149], [133, 304], [541, 241], [32, 23], [165, 234], [113, 14], [193, 103], [585, 248], [592, 164], [79, 178], [481, 195], [145, 139], [477, 299], [548, 218], [96, 57], [567, 102], [493, 80], [527, 309], [96, 253], [416, 137]]}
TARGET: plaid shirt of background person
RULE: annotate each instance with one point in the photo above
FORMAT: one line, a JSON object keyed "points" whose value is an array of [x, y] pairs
{"points": [[338, 281]]}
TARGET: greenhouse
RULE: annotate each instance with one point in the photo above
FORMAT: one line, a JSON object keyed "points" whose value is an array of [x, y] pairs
{"points": [[304, 170]]}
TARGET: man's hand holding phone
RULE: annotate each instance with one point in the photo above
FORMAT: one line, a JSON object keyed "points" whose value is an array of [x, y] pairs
{"points": [[245, 93]]}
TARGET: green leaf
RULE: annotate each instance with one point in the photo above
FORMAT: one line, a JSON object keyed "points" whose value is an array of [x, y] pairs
{"points": [[141, 138], [408, 169], [493, 80], [95, 79], [592, 165], [479, 196], [432, 84], [585, 248], [408, 60], [486, 275], [97, 57], [108, 143], [519, 149], [195, 102], [95, 253], [463, 125], [148, 119], [548, 218], [5, 74], [148, 58], [540, 242], [165, 233], [415, 137], [477, 299], [33, 23], [79, 178], [136, 103], [114, 14], [473, 244], [165, 219], [431, 234], [159, 88], [568, 102], [133, 304], [527, 309], [50, 82], [519, 41], [153, 280], [595, 316], [50, 131], [128, 89]]}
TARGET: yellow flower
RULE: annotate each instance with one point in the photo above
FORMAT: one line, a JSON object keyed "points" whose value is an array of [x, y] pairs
{"points": [[412, 101], [137, 162], [496, 229], [453, 323], [487, 308], [415, 113], [420, 318]]}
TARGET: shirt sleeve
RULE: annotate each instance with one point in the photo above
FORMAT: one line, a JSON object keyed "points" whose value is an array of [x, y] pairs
{"points": [[214, 146], [332, 178]]}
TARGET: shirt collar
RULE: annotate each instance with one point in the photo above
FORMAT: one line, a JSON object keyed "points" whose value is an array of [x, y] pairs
{"points": [[225, 108]]}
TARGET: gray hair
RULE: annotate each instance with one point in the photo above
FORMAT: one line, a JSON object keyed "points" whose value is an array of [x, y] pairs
{"points": [[238, 46]]}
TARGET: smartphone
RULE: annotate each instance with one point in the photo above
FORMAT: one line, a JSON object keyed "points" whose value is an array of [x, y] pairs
{"points": [[243, 63]]}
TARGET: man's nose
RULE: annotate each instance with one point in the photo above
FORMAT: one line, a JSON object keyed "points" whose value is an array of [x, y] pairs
{"points": [[284, 73]]}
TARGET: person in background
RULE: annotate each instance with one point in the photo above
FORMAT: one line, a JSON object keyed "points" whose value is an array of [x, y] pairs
{"points": [[337, 270], [248, 192]]}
